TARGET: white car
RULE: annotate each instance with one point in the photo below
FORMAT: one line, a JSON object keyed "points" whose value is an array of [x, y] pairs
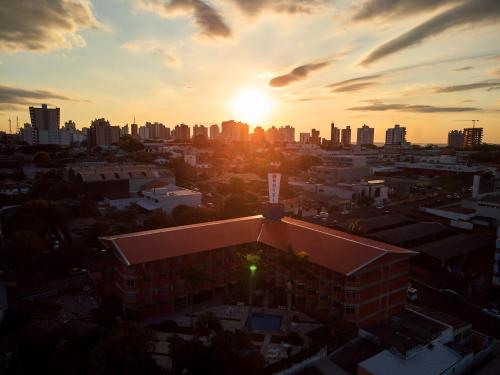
{"points": [[492, 312]]}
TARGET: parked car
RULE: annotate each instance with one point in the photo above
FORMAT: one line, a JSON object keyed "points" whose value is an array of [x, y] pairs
{"points": [[492, 312]]}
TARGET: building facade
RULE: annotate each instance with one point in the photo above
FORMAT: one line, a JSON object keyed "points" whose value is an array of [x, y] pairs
{"points": [[348, 279], [396, 136], [345, 135], [455, 139], [365, 135], [473, 137]]}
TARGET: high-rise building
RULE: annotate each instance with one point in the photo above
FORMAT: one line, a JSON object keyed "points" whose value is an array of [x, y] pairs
{"points": [[200, 131], [287, 134], [233, 131], [346, 136], [258, 136], [456, 139], [334, 134], [396, 136], [315, 137], [70, 125], [45, 118], [124, 130], [182, 133], [473, 137], [272, 135], [157, 130], [101, 133], [134, 130], [365, 135], [214, 131], [304, 138]]}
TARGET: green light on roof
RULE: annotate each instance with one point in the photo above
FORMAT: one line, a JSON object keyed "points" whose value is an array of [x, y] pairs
{"points": [[253, 268]]}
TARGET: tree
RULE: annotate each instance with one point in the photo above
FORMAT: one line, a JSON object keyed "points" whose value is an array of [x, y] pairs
{"points": [[297, 265], [194, 276], [355, 227], [42, 159], [126, 350], [207, 324]]}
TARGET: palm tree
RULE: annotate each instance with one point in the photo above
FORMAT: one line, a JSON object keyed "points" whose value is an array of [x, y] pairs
{"points": [[194, 276], [297, 265], [355, 227]]}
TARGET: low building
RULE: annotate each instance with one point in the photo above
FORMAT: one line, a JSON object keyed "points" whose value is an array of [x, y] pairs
{"points": [[339, 174], [412, 235], [116, 181], [168, 198], [417, 341], [348, 279]]}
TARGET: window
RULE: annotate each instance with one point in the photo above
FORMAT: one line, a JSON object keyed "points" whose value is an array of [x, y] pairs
{"points": [[349, 310], [350, 295], [323, 297], [337, 288], [300, 286], [336, 303], [351, 279], [130, 283]]}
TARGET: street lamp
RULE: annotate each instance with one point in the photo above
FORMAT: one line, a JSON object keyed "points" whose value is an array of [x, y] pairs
{"points": [[252, 269]]}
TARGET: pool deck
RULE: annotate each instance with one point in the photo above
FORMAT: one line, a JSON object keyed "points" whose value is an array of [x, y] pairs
{"points": [[235, 317]]}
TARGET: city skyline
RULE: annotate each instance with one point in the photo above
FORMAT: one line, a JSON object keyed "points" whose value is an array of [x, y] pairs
{"points": [[207, 61]]}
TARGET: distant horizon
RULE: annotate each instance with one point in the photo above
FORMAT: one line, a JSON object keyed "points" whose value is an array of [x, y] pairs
{"points": [[297, 62]]}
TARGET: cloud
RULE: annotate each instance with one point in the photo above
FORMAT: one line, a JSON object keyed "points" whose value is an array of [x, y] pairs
{"points": [[378, 107], [469, 86], [463, 68], [13, 97], [154, 48], [355, 84], [254, 7], [44, 25], [297, 74], [390, 8], [468, 12], [207, 19]]}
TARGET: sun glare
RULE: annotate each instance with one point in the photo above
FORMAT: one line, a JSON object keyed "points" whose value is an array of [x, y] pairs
{"points": [[251, 106]]}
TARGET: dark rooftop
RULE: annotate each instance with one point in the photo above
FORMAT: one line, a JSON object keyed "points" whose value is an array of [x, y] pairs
{"points": [[440, 316], [409, 232], [406, 331], [378, 223], [451, 247], [354, 352], [490, 198]]}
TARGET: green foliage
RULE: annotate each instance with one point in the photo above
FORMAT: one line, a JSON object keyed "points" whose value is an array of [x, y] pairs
{"points": [[126, 350], [42, 159], [130, 144]]}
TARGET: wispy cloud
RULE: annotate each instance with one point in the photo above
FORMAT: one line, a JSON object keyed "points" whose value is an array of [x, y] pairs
{"points": [[298, 74], [466, 87], [154, 48], [468, 12], [208, 20], [380, 107], [254, 7], [13, 97], [388, 9], [463, 68], [355, 84], [44, 25]]}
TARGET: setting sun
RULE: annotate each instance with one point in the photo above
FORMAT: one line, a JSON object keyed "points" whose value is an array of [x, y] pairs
{"points": [[251, 106]]}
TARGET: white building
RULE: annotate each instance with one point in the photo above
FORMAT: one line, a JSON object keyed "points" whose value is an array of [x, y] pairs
{"points": [[365, 135], [396, 136], [168, 198]]}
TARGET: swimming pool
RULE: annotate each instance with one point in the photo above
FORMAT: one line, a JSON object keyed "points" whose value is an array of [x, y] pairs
{"points": [[265, 322]]}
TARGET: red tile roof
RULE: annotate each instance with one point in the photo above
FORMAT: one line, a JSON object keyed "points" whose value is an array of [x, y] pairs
{"points": [[336, 250]]}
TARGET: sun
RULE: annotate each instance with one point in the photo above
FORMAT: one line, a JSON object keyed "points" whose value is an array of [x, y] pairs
{"points": [[251, 106]]}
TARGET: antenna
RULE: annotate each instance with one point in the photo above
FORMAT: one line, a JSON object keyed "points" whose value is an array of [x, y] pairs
{"points": [[17, 124], [10, 126]]}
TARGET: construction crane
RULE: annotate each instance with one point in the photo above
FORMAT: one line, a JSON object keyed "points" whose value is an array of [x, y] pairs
{"points": [[473, 122]]}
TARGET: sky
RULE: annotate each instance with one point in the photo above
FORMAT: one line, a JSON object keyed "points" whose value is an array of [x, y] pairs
{"points": [[428, 65]]}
